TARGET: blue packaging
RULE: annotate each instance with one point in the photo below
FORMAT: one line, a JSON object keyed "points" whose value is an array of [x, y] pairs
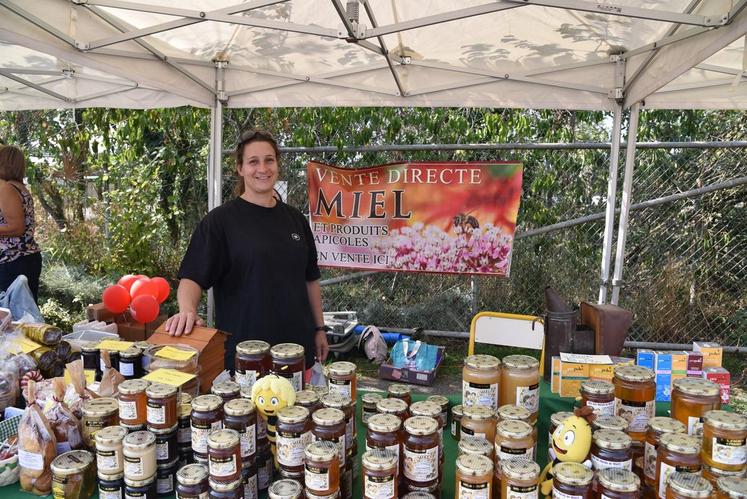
{"points": [[645, 358], [663, 362], [663, 387]]}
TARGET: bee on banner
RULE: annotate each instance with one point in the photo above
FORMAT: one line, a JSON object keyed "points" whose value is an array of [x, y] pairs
{"points": [[465, 223]]}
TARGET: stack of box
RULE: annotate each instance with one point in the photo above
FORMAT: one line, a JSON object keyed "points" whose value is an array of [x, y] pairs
{"points": [[567, 376], [712, 357]]}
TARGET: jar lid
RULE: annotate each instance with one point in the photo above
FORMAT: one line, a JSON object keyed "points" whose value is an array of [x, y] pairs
{"points": [[132, 386], [457, 411], [391, 406], [419, 494], [425, 408], [482, 362], [142, 345], [163, 431], [104, 406], [472, 465], [726, 420], [636, 374], [697, 387], [253, 347], [619, 480], [224, 486], [160, 391], [421, 425], [470, 444], [192, 474], [139, 483], [379, 459], [225, 388], [681, 443], [733, 486], [512, 428], [689, 484], [611, 439], [663, 424], [440, 400], [321, 450], [608, 422], [307, 397], [371, 398], [90, 346], [114, 477], [139, 439], [206, 403], [520, 468], [513, 413], [238, 407], [293, 414], [384, 423], [336, 400], [287, 351], [520, 362], [285, 489], [342, 368], [110, 435], [573, 473], [597, 387], [71, 462], [557, 418], [397, 389], [223, 439], [130, 353], [478, 412], [185, 404], [328, 416]]}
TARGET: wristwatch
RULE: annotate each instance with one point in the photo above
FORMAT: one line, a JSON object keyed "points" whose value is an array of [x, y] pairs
{"points": [[323, 328]]}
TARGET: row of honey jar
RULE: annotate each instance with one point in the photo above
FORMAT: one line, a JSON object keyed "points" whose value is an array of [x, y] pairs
{"points": [[490, 382]]}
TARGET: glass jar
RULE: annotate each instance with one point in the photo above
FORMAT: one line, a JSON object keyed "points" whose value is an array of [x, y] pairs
{"points": [[683, 485], [139, 449], [91, 354], [239, 415], [161, 413], [479, 421], [192, 482], [513, 439], [713, 475], [166, 446], [572, 480], [97, 414], [341, 379], [474, 476], [398, 407], [443, 403], [481, 377], [691, 398], [288, 361], [342, 402], [73, 475], [519, 479], [476, 446], [635, 394], [109, 458], [165, 478], [420, 452], [183, 412], [249, 480], [329, 425], [677, 452], [224, 455], [725, 440], [293, 434], [285, 489], [556, 419], [226, 490], [131, 363], [656, 428], [264, 466], [133, 401], [611, 449], [207, 415], [609, 423], [322, 468], [431, 410], [384, 432], [599, 395], [732, 488], [141, 489], [519, 383], [111, 486], [309, 399], [617, 483], [380, 474], [368, 406], [402, 392], [252, 361], [226, 390], [456, 421]]}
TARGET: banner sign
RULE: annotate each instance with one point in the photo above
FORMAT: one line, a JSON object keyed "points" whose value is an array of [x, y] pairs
{"points": [[426, 217]]}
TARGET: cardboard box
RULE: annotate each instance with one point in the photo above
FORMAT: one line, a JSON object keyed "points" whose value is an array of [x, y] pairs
{"points": [[645, 358], [571, 377], [137, 331], [98, 312], [694, 362], [405, 375], [571, 387], [603, 372], [555, 376], [663, 362], [663, 387], [721, 376], [679, 361], [712, 353]]}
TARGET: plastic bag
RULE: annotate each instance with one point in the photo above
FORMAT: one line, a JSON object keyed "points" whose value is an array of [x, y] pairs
{"points": [[66, 426], [110, 379], [77, 393], [317, 375], [414, 355], [36, 448], [374, 345]]}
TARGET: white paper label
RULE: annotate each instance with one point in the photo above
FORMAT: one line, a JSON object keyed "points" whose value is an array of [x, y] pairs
{"points": [[476, 393], [162, 451], [126, 368], [601, 464], [246, 378], [421, 465], [602, 408], [649, 461], [379, 487], [250, 488], [108, 460], [507, 453], [290, 447], [636, 414], [297, 381], [729, 451], [519, 492], [222, 466], [528, 397], [110, 494], [30, 460], [474, 491], [556, 494], [316, 478], [694, 425], [165, 485], [248, 441], [127, 410], [343, 387], [156, 414], [133, 467], [200, 435]]}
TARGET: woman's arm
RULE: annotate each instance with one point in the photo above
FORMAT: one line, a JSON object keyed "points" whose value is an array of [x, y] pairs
{"points": [[11, 208], [188, 296], [314, 290]]}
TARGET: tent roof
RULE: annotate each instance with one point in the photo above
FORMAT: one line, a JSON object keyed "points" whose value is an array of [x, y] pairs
{"points": [[568, 54]]}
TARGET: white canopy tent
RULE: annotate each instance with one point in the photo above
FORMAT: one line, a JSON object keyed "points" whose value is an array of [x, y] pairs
{"points": [[560, 54]]}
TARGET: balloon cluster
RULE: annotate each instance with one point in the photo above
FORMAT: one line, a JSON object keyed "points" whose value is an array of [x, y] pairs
{"points": [[142, 294]]}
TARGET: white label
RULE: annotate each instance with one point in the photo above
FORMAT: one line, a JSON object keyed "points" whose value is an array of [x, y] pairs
{"points": [[108, 460], [341, 387], [379, 487], [165, 485], [393, 448], [636, 414], [694, 425], [297, 381], [508, 453], [602, 408], [453, 428], [476, 393], [601, 464], [248, 441], [126, 368], [222, 467], [110, 494], [665, 470], [316, 478], [250, 488], [556, 494], [162, 451], [133, 467], [127, 410], [246, 378], [200, 435], [649, 461], [729, 451], [473, 491], [290, 447], [156, 414], [30, 460], [528, 397], [519, 492], [63, 447], [421, 466]]}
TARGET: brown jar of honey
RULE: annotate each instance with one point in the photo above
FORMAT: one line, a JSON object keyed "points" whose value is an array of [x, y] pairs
{"points": [[132, 401], [398, 407], [161, 409], [635, 394], [420, 453], [519, 383], [681, 485], [481, 378], [385, 432], [345, 404], [402, 392], [341, 379], [572, 480], [321, 468], [519, 479], [611, 449], [599, 395], [224, 455], [252, 361], [677, 452], [513, 439], [293, 434], [329, 425], [288, 361], [474, 476], [617, 483], [657, 427], [691, 398], [368, 406], [380, 474], [725, 440], [479, 421]]}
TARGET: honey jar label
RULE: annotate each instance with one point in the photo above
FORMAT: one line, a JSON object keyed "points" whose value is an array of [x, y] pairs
{"points": [[222, 466], [649, 461], [509, 453], [636, 414], [290, 447], [602, 408], [474, 490], [162, 451], [133, 466], [380, 487], [316, 478], [127, 410], [479, 394], [107, 460], [421, 465], [156, 414], [694, 425], [200, 435], [600, 464], [729, 451], [522, 492], [165, 485], [246, 378], [343, 387], [126, 368], [248, 441], [556, 494], [250, 488], [528, 397], [472, 433], [668, 469]]}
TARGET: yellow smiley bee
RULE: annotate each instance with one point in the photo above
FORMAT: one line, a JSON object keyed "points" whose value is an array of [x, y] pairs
{"points": [[571, 442]]}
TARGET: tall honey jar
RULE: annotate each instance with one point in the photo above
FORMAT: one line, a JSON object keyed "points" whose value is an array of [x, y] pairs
{"points": [[385, 432], [635, 394], [321, 468], [556, 419], [479, 421], [398, 407], [657, 427], [380, 474], [289, 362], [481, 378], [477, 446], [611, 449], [677, 452], [682, 485], [206, 416], [519, 479], [345, 404], [420, 453], [224, 455], [519, 383], [293, 434], [132, 401], [513, 439], [329, 424], [97, 414], [398, 391], [617, 483], [572, 480], [161, 406], [252, 361], [431, 410], [474, 476], [725, 440], [691, 398], [731, 488], [239, 415], [599, 395], [341, 379]]}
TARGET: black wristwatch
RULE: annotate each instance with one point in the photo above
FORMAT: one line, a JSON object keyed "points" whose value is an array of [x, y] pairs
{"points": [[323, 328]]}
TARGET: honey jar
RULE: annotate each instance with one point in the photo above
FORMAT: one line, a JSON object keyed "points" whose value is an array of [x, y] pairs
{"points": [[611, 449], [341, 379], [249, 480], [384, 432], [183, 412], [676, 452], [519, 479], [322, 468], [477, 446], [226, 490], [207, 415], [431, 410], [380, 474], [111, 486], [514, 413], [599, 395], [288, 361], [398, 407], [683, 485], [144, 488], [419, 494], [691, 398], [97, 414], [73, 475], [725, 440], [519, 383], [444, 404], [420, 453], [731, 488], [239, 415], [130, 363], [513, 439], [166, 448], [139, 449], [456, 421], [481, 377], [265, 465], [572, 480], [345, 404], [161, 406], [227, 390], [328, 424], [656, 428], [224, 455], [293, 434], [252, 361], [474, 476], [479, 421], [556, 419], [609, 423], [368, 406], [635, 394], [397, 391], [309, 399], [617, 483]]}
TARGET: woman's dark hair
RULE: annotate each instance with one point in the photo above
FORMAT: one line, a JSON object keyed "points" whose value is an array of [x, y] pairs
{"points": [[245, 139], [12, 164]]}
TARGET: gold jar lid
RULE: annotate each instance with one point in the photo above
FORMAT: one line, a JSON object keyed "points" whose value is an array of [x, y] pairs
{"points": [[680, 443], [733, 486], [482, 362], [253, 347], [608, 422], [457, 411], [160, 391], [472, 465], [723, 420], [469, 444], [573, 473], [619, 480], [70, 463], [101, 407], [341, 368], [307, 397], [425, 408], [192, 474], [663, 424], [225, 388], [321, 451], [246, 392], [697, 387], [520, 362], [611, 439], [635, 374], [336, 400], [689, 484], [185, 404], [478, 412], [513, 413], [597, 387], [139, 483], [398, 390], [379, 459], [442, 401], [421, 425], [224, 486], [510, 428], [139, 440], [293, 414], [223, 439], [287, 351], [90, 346], [371, 399], [133, 386], [110, 435], [206, 403], [557, 418], [285, 489], [384, 423], [238, 407], [328, 416], [391, 406], [520, 468], [130, 353]]}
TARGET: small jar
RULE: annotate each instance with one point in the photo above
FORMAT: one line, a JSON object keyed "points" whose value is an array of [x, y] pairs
{"points": [[97, 414], [476, 446], [519, 478], [682, 485], [384, 432], [224, 455], [611, 449], [519, 383], [725, 440], [398, 407], [609, 423], [457, 412], [599, 395], [380, 474], [166, 446], [226, 490], [572, 480], [288, 361], [341, 379], [420, 452], [131, 363], [329, 425], [293, 434], [207, 415], [345, 404], [444, 404], [556, 419], [677, 452], [368, 406], [481, 377], [91, 354], [133, 401], [474, 476], [285, 489], [161, 413], [165, 478], [139, 450], [184, 431], [309, 399], [249, 480], [513, 439], [321, 468], [635, 394], [265, 464], [713, 475], [691, 399], [402, 392], [109, 457], [141, 488], [192, 482], [616, 483], [111, 486], [732, 487], [252, 361], [73, 475], [479, 421], [240, 415], [227, 390], [656, 428]]}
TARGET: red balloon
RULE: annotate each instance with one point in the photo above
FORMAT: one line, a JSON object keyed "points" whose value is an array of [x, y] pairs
{"points": [[116, 298], [144, 286], [164, 289], [127, 281], [144, 308]]}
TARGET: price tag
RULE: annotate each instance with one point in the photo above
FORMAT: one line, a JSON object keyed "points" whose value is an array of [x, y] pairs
{"points": [[26, 345], [114, 345], [169, 376], [173, 353]]}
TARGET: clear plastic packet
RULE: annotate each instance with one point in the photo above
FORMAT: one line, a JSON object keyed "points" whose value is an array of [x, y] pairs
{"points": [[37, 447], [110, 379], [77, 393], [65, 425]]}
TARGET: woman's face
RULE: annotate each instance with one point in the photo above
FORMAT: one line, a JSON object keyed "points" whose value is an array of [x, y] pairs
{"points": [[259, 168]]}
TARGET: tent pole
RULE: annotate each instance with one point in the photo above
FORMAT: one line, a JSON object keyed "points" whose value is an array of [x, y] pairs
{"points": [[626, 202], [609, 221]]}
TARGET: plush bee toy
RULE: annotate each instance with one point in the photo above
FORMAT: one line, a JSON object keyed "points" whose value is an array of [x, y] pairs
{"points": [[270, 394], [571, 442]]}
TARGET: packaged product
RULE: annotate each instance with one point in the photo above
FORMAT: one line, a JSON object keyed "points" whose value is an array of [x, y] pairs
{"points": [[65, 425], [36, 447], [110, 379]]}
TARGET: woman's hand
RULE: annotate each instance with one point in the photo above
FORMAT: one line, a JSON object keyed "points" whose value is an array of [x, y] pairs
{"points": [[182, 323], [322, 347]]}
